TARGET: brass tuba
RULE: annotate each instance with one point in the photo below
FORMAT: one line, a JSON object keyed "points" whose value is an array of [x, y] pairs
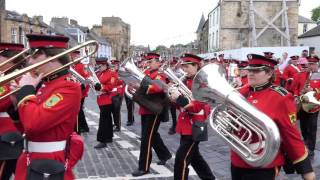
{"points": [[233, 115]]}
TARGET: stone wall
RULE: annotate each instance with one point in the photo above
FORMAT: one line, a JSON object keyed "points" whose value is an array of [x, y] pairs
{"points": [[235, 29], [118, 34]]}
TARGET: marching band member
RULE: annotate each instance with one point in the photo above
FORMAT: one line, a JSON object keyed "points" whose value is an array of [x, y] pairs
{"points": [[117, 96], [243, 72], [188, 151], [277, 73], [279, 105], [173, 111], [288, 73], [308, 120], [48, 114], [108, 80], [150, 122], [81, 125], [10, 131]]}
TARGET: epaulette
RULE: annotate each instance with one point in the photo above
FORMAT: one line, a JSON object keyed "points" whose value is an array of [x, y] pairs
{"points": [[282, 91]]}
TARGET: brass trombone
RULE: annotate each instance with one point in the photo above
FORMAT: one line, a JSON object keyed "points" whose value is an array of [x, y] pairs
{"points": [[25, 51], [7, 78]]}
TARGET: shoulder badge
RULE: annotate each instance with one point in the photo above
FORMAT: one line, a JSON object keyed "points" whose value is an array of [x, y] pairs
{"points": [[292, 117], [53, 100], [282, 91], [158, 77], [3, 89]]}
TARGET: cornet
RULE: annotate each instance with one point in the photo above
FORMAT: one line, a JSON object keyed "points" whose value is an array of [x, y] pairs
{"points": [[93, 80]]}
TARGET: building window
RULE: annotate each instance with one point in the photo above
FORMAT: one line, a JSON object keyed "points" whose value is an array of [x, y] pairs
{"points": [[212, 42], [14, 38], [214, 14], [217, 15], [305, 28], [217, 40]]}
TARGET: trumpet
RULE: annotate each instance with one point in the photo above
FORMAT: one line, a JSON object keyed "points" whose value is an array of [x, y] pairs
{"points": [[7, 78]]}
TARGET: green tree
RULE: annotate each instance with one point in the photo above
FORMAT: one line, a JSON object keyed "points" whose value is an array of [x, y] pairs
{"points": [[315, 14]]}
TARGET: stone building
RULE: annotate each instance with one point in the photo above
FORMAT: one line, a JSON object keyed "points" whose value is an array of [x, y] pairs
{"points": [[311, 38], [117, 33], [14, 26], [238, 23], [305, 24], [78, 34], [202, 36]]}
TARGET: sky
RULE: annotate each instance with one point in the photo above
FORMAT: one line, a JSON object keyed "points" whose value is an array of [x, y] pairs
{"points": [[153, 22]]}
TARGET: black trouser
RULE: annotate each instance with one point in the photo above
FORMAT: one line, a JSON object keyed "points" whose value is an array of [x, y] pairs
{"points": [[9, 168], [173, 115], [116, 110], [150, 138], [130, 108], [82, 123], [308, 126], [188, 152], [252, 174], [105, 130]]}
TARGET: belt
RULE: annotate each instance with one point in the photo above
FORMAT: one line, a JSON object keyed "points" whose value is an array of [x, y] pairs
{"points": [[45, 147], [200, 113], [4, 114]]}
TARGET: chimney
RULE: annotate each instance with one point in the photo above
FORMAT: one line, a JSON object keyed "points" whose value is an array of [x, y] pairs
{"points": [[62, 21], [73, 22], [40, 18]]}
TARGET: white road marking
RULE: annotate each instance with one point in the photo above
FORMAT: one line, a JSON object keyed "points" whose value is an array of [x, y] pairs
{"points": [[162, 170], [115, 136], [125, 144], [130, 134], [91, 123]]}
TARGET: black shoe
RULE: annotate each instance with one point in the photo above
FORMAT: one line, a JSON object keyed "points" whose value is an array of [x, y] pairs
{"points": [[172, 131], [163, 162], [139, 173], [129, 123], [100, 145], [117, 129]]}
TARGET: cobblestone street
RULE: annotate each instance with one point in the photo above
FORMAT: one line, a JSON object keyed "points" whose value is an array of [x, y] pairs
{"points": [[120, 158]]}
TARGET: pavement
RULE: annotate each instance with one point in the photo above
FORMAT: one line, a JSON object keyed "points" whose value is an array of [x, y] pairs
{"points": [[120, 158]]}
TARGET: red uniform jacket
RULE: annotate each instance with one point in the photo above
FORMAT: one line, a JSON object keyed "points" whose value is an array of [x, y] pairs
{"points": [[279, 105], [81, 69], [6, 123], [244, 80], [278, 77], [299, 82], [153, 89], [48, 116], [109, 81], [194, 111], [288, 74], [119, 86]]}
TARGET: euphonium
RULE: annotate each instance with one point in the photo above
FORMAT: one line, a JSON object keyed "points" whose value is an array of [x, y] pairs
{"points": [[233, 115], [131, 75]]}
